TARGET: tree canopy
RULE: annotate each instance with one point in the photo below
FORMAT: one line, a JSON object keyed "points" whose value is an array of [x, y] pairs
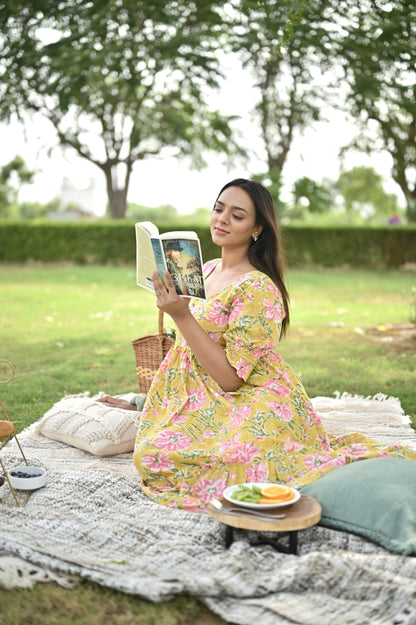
{"points": [[125, 80], [120, 80], [283, 43], [378, 54], [12, 175]]}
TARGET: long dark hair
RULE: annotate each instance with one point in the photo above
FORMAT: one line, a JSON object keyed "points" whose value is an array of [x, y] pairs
{"points": [[266, 254]]}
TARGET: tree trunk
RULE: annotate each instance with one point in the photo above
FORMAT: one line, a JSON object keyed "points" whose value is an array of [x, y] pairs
{"points": [[117, 203], [117, 197]]}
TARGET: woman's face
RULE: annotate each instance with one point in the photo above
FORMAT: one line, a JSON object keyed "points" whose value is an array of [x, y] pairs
{"points": [[233, 219]]}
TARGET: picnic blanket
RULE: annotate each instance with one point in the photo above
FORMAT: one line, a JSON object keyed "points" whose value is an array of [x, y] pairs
{"points": [[93, 522]]}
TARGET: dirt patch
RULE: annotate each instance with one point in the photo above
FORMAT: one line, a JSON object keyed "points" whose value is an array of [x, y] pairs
{"points": [[401, 338]]}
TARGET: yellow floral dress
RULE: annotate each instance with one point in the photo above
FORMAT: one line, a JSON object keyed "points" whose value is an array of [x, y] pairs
{"points": [[194, 439]]}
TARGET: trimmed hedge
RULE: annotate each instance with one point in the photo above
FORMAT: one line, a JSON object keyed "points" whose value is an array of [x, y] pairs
{"points": [[371, 247], [113, 242]]}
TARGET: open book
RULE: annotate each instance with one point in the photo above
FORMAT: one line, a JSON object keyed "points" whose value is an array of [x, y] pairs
{"points": [[178, 252]]}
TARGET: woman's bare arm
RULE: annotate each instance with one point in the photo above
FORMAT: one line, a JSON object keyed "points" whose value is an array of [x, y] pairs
{"points": [[209, 354]]}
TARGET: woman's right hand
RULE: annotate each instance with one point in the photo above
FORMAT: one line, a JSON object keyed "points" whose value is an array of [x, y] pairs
{"points": [[167, 299]]}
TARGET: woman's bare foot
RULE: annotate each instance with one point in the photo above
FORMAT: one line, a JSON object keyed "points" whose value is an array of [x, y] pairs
{"points": [[116, 402]]}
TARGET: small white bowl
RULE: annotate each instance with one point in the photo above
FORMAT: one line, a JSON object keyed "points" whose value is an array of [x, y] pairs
{"points": [[36, 480], [2, 486]]}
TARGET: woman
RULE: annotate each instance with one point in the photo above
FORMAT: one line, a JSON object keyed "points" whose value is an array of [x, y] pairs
{"points": [[224, 408]]}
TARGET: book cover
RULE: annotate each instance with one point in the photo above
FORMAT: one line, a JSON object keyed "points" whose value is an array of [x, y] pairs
{"points": [[178, 252]]}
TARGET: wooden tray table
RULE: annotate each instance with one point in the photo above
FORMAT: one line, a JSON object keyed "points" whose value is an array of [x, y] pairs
{"points": [[305, 513]]}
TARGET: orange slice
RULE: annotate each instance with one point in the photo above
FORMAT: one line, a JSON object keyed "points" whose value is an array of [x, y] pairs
{"points": [[277, 491], [280, 500]]}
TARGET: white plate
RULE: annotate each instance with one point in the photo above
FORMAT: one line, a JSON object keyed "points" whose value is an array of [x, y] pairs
{"points": [[258, 506]]}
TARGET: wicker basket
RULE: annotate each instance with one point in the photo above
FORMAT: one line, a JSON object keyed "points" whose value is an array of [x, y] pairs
{"points": [[149, 352]]}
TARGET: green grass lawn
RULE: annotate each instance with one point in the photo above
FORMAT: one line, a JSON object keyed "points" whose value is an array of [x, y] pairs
{"points": [[69, 329]]}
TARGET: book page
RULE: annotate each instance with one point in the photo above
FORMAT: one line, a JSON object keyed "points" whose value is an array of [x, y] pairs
{"points": [[179, 234], [145, 261]]}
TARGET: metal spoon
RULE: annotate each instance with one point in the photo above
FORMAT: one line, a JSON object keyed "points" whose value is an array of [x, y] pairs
{"points": [[241, 511]]}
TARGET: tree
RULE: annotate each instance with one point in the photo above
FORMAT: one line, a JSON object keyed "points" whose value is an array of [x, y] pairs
{"points": [[284, 43], [120, 80], [318, 197], [272, 180], [12, 176], [363, 193], [378, 53], [165, 213]]}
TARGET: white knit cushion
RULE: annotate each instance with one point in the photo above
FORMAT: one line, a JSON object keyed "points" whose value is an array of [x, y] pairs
{"points": [[90, 425]]}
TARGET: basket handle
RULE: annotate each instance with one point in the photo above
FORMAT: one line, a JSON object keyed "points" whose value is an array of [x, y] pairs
{"points": [[160, 323]]}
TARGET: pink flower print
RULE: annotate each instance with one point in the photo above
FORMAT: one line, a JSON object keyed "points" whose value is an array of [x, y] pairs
{"points": [[229, 443], [186, 364], [192, 506], [324, 440], [285, 377], [318, 460], [286, 412], [292, 446], [273, 311], [257, 473], [243, 368], [209, 434], [313, 415], [263, 350], [241, 279], [226, 396], [165, 365], [178, 417], [270, 286], [237, 308], [238, 416], [243, 453], [357, 450], [214, 336], [171, 440], [196, 399], [206, 489], [218, 314], [274, 405], [239, 344], [158, 463], [339, 461], [277, 387]]}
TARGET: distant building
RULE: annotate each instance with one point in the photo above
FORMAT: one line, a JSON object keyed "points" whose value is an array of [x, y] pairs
{"points": [[78, 202]]}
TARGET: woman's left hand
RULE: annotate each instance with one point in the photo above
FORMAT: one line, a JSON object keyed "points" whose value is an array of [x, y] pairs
{"points": [[167, 299], [116, 402]]}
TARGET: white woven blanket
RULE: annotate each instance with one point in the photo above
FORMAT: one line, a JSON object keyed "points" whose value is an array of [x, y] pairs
{"points": [[93, 522]]}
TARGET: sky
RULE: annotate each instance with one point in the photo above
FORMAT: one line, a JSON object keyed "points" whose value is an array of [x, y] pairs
{"points": [[155, 182]]}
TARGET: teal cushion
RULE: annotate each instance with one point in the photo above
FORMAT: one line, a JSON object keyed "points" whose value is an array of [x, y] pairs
{"points": [[374, 498]]}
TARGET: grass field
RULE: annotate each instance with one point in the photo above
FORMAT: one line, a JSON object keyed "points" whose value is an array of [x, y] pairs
{"points": [[68, 329]]}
